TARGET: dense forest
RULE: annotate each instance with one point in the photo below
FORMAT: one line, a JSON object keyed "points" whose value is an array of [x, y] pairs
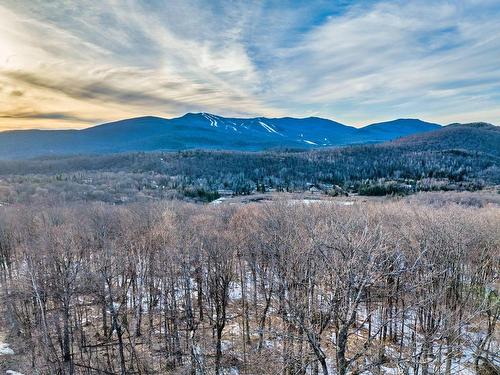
{"points": [[175, 288], [457, 157]]}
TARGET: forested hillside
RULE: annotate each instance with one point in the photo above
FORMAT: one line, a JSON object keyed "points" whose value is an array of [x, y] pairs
{"points": [[458, 157]]}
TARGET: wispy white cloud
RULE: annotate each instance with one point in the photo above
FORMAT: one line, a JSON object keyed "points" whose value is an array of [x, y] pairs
{"points": [[397, 59], [126, 60], [354, 62]]}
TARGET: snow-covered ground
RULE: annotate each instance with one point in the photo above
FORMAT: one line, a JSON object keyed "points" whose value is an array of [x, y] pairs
{"points": [[5, 349], [270, 129]]}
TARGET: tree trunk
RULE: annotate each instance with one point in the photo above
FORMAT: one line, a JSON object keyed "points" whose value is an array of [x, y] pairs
{"points": [[341, 351], [218, 351]]}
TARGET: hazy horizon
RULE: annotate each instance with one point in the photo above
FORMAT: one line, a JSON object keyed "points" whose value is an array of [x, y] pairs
{"points": [[67, 65]]}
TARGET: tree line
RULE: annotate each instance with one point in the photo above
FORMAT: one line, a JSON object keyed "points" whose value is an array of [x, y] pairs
{"points": [[387, 169]]}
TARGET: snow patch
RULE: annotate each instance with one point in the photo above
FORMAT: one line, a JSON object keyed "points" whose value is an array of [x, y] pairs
{"points": [[344, 203], [5, 349], [235, 292], [226, 345], [218, 201], [308, 202], [268, 128], [212, 119]]}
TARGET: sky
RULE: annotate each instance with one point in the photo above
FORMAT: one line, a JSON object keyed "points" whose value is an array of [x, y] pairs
{"points": [[74, 64]]}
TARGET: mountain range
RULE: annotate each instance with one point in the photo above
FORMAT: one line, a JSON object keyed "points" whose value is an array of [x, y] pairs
{"points": [[202, 131]]}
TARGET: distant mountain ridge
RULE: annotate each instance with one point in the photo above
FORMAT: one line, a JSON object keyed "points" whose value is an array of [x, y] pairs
{"points": [[203, 131]]}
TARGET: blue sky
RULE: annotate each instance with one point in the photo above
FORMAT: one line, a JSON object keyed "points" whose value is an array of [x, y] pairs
{"points": [[67, 63]]}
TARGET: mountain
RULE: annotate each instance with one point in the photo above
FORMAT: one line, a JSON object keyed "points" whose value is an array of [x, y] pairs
{"points": [[202, 131], [385, 131]]}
